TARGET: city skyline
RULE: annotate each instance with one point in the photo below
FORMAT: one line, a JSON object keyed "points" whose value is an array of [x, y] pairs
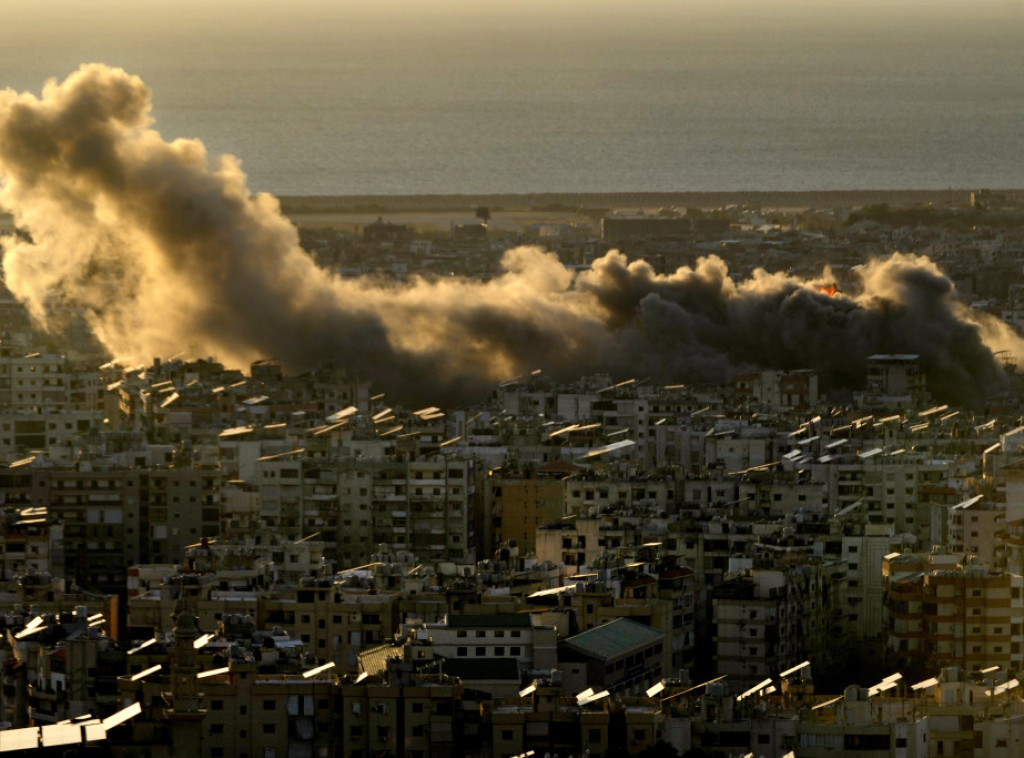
{"points": [[655, 479]]}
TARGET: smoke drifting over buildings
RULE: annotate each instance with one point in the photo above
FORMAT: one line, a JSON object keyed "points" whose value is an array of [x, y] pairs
{"points": [[163, 247]]}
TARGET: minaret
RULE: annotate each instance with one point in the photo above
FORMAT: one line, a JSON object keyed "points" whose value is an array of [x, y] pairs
{"points": [[185, 713]]}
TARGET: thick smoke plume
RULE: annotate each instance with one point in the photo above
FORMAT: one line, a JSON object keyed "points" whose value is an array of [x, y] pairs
{"points": [[163, 248]]}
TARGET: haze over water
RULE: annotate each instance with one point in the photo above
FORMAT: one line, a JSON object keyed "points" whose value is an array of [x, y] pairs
{"points": [[328, 98]]}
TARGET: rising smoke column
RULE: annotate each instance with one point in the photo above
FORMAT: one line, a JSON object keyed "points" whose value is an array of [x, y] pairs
{"points": [[162, 247]]}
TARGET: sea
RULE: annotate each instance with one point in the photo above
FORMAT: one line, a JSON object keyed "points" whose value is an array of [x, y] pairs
{"points": [[343, 98]]}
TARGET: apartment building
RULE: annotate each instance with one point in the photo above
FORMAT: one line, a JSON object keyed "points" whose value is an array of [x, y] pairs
{"points": [[778, 390], [973, 528], [766, 620], [59, 665], [950, 610], [494, 636], [425, 715], [427, 506], [518, 502], [863, 548], [905, 490], [32, 381], [252, 698]]}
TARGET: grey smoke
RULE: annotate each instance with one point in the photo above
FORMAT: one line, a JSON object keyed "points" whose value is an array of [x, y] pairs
{"points": [[163, 247]]}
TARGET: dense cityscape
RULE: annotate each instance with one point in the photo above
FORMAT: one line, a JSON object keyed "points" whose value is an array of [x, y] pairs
{"points": [[780, 556]]}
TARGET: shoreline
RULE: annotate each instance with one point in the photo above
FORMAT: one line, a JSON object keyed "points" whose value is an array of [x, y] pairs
{"points": [[824, 199], [298, 206]]}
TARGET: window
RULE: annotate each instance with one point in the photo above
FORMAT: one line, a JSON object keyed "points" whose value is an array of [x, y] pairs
{"points": [[461, 652], [268, 705], [269, 728], [514, 650], [216, 729], [461, 633], [481, 651]]}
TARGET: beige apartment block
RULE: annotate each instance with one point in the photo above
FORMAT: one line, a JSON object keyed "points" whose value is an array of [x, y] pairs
{"points": [[423, 506], [950, 610]]}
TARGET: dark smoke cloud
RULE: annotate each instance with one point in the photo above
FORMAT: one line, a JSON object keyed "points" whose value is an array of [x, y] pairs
{"points": [[163, 248]]}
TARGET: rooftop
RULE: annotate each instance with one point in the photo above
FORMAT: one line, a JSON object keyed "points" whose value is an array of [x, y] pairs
{"points": [[489, 621], [477, 669], [614, 638]]}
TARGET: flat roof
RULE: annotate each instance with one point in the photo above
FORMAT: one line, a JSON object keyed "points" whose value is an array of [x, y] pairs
{"points": [[482, 669], [615, 638], [489, 621]]}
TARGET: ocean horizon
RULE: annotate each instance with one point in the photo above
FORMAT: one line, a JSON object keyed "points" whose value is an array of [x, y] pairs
{"points": [[324, 103]]}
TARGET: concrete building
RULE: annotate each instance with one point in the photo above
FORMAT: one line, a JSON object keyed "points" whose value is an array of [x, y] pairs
{"points": [[517, 503], [621, 656], [767, 620], [493, 637], [250, 698], [778, 390], [911, 492], [864, 548], [33, 381], [617, 229], [895, 381], [427, 507], [973, 529], [58, 665], [950, 610]]}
